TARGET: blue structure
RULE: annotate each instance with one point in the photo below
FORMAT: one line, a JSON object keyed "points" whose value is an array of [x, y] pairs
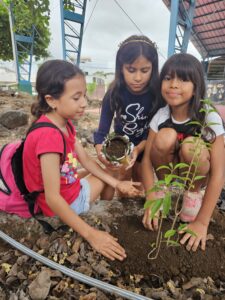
{"points": [[23, 53], [180, 26], [201, 22], [72, 23]]}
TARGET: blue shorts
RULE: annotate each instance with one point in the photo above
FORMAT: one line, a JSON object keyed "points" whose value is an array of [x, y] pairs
{"points": [[82, 203]]}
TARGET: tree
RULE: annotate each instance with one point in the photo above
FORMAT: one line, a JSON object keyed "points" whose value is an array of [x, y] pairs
{"points": [[26, 14]]}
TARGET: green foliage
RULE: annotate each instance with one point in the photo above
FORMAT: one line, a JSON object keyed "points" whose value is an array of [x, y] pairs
{"points": [[26, 14], [69, 5], [91, 87], [184, 181]]}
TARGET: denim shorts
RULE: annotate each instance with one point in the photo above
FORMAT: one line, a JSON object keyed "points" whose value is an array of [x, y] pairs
{"points": [[82, 203]]}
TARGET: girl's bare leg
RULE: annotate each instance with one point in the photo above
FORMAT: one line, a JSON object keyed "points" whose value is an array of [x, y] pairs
{"points": [[137, 174], [82, 173], [96, 187], [163, 150], [186, 154], [108, 192]]}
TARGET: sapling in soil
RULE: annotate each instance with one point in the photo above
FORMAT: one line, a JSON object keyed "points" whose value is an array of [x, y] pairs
{"points": [[179, 177]]}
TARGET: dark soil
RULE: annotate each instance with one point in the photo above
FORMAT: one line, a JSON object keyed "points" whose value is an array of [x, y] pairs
{"points": [[175, 274], [173, 262], [116, 148]]}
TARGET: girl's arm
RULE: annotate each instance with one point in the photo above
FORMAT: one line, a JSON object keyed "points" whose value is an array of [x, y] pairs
{"points": [[214, 186], [102, 159], [99, 240], [126, 187], [104, 127], [148, 181], [136, 151]]}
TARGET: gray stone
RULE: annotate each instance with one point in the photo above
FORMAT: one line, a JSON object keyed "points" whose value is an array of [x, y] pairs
{"points": [[13, 118]]}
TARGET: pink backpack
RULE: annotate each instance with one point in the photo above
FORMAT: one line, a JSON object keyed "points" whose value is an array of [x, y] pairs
{"points": [[14, 196]]}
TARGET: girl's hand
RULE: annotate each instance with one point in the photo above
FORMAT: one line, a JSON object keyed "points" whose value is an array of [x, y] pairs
{"points": [[193, 242], [130, 188], [133, 158], [107, 245], [151, 224], [103, 160]]}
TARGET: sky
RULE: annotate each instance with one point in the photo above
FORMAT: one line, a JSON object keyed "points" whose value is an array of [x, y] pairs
{"points": [[107, 26]]}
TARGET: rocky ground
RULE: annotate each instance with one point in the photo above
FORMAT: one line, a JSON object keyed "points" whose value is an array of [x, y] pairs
{"points": [[175, 274]]}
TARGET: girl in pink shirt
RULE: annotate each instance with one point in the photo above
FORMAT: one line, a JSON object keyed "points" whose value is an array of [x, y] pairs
{"points": [[61, 89]]}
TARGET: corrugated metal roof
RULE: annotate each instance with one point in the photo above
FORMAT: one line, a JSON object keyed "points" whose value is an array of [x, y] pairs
{"points": [[208, 28]]}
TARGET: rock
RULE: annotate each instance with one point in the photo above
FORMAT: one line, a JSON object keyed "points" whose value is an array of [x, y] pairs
{"points": [[39, 288], [73, 258], [91, 296], [85, 269], [76, 245], [4, 131], [194, 282], [13, 118]]}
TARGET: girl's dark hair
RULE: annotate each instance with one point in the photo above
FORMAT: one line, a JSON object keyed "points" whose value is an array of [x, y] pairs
{"points": [[187, 67], [51, 78], [129, 50]]}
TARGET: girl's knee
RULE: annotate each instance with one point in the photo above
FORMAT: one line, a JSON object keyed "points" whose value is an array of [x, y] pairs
{"points": [[190, 148], [165, 140]]}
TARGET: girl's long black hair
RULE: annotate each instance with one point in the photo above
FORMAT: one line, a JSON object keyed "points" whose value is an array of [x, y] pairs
{"points": [[51, 78], [129, 50]]}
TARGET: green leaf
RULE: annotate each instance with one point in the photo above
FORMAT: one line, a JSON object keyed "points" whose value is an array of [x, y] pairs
{"points": [[173, 243], [203, 110], [182, 227], [168, 179], [178, 184], [212, 110], [194, 123], [175, 176], [155, 188], [166, 204], [169, 233], [163, 167], [148, 204], [181, 166], [155, 207], [212, 123], [160, 183], [171, 165], [199, 177]]}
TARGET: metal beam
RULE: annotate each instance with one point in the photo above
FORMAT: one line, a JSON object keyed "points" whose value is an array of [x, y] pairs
{"points": [[180, 26], [23, 52], [72, 24]]}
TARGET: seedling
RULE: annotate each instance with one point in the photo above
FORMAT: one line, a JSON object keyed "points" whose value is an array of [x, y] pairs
{"points": [[179, 177]]}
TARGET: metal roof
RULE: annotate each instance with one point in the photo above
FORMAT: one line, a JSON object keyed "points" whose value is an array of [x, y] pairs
{"points": [[208, 26]]}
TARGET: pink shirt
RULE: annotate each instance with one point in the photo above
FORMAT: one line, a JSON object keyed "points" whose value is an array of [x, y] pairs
{"points": [[49, 140]]}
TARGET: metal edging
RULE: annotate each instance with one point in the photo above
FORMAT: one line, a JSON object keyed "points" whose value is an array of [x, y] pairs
{"points": [[73, 274]]}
